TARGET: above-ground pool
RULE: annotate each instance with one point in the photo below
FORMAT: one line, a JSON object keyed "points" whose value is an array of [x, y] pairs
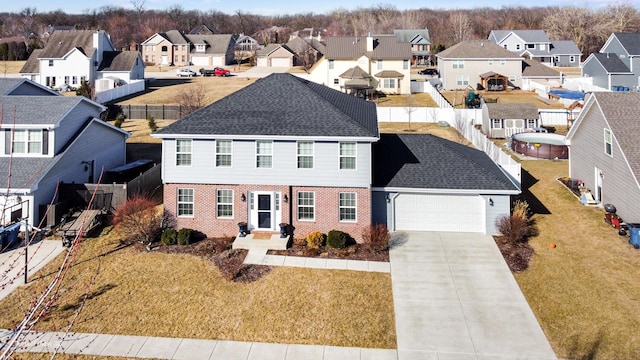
{"points": [[568, 94], [540, 145]]}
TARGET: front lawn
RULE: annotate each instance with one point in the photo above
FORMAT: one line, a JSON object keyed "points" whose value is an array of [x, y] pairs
{"points": [[178, 295]]}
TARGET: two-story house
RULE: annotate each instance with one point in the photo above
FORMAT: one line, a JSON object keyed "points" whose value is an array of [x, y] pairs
{"points": [[475, 63], [73, 56], [535, 44], [303, 157], [617, 65], [48, 139], [364, 65], [420, 44], [179, 49]]}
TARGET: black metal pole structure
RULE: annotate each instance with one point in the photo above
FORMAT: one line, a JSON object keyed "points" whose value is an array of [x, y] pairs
{"points": [[26, 249]]}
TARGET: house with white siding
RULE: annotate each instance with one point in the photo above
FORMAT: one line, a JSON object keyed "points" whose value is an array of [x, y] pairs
{"points": [[309, 157], [48, 139]]}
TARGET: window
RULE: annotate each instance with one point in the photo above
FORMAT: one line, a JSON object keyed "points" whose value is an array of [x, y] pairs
{"points": [[380, 64], [503, 62], [462, 80], [306, 205], [264, 152], [490, 61], [185, 202], [331, 64], [517, 46], [388, 83], [305, 154], [505, 46], [153, 58], [531, 46], [74, 80], [175, 58], [496, 123], [66, 80], [223, 153], [608, 149], [27, 141], [183, 152], [458, 64], [556, 58], [348, 156], [347, 206], [336, 81], [83, 79], [405, 64], [531, 123], [163, 48], [50, 62], [224, 201], [572, 58]]}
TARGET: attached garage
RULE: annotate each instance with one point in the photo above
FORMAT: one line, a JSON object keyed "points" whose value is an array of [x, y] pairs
{"points": [[281, 62], [200, 60], [262, 61], [423, 212]]}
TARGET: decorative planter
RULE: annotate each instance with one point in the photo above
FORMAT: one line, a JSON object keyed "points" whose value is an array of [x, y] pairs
{"points": [[283, 230], [242, 228]]}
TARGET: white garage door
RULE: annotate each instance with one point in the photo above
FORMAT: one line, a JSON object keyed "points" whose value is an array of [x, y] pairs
{"points": [[280, 62], [261, 61], [200, 60], [217, 61], [422, 212]]}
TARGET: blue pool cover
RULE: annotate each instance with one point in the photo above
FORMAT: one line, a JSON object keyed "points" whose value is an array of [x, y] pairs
{"points": [[568, 94]]}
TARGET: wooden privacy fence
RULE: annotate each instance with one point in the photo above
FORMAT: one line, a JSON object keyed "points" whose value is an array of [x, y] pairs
{"points": [[159, 112]]}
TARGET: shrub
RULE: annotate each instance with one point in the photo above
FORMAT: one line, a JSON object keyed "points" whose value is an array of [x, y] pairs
{"points": [[517, 227], [184, 236], [169, 236], [119, 120], [152, 123], [377, 237], [138, 220], [337, 239], [315, 239]]}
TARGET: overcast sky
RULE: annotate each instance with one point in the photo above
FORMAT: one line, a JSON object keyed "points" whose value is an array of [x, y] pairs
{"points": [[275, 7]]}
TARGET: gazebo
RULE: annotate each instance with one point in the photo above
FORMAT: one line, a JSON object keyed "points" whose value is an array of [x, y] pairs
{"points": [[357, 82], [492, 81]]}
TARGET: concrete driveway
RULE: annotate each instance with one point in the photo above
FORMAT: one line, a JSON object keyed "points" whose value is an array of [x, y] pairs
{"points": [[455, 298]]}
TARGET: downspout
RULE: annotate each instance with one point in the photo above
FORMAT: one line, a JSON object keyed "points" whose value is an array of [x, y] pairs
{"points": [[292, 228]]}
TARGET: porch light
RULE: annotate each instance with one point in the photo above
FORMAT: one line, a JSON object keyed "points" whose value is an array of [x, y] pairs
{"points": [[285, 198], [490, 202], [243, 198], [388, 198]]}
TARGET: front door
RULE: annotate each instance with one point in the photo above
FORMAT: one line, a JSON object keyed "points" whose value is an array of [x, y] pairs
{"points": [[264, 211]]}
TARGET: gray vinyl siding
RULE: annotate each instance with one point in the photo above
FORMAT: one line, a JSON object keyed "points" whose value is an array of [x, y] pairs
{"points": [[594, 69], [624, 80], [284, 169], [564, 61], [501, 207], [474, 67], [615, 47], [72, 123], [587, 152]]}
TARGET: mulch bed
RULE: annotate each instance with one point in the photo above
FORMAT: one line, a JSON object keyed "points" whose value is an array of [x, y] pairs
{"points": [[517, 256], [351, 252]]}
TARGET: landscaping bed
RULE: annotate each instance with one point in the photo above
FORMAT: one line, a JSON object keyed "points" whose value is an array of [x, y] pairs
{"points": [[352, 252]]}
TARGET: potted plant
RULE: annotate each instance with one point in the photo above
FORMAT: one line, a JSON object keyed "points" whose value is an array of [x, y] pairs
{"points": [[283, 230], [242, 226]]}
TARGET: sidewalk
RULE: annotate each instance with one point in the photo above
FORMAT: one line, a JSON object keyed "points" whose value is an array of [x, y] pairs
{"points": [[260, 257], [187, 349]]}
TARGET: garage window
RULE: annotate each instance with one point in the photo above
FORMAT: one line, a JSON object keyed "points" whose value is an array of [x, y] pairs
{"points": [[347, 206], [306, 205]]}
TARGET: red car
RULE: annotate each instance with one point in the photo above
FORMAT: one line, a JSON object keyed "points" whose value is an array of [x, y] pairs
{"points": [[218, 71]]}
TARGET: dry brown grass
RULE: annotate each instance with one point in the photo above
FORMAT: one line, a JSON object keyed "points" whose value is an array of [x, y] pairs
{"points": [[140, 132], [178, 295], [417, 100], [448, 132], [11, 67], [506, 97], [585, 292], [47, 356]]}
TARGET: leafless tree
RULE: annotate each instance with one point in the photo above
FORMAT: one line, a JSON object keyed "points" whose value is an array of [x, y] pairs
{"points": [[191, 98], [460, 26], [409, 109]]}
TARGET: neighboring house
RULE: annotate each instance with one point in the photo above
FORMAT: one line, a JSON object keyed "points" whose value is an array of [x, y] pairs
{"points": [[535, 44], [380, 63], [247, 44], [617, 65], [426, 183], [73, 56], [603, 150], [302, 158], [479, 62], [533, 71], [49, 139], [178, 49], [420, 45], [306, 52], [308, 34], [274, 55], [503, 120]]}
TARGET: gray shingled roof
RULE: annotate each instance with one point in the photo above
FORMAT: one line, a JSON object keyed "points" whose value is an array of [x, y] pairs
{"points": [[423, 161], [611, 63], [386, 47], [217, 43], [533, 68], [23, 87], [565, 47], [25, 171], [622, 110], [38, 110], [8, 84], [528, 36], [512, 111], [282, 105], [414, 36], [477, 49], [355, 72], [298, 45], [630, 41], [118, 60], [63, 41], [175, 37], [265, 51], [32, 66], [389, 74]]}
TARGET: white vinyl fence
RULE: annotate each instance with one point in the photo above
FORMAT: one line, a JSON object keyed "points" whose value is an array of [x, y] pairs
{"points": [[120, 91]]}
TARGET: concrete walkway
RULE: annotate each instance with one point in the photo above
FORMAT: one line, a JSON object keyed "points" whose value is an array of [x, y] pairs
{"points": [[260, 257], [455, 298]]}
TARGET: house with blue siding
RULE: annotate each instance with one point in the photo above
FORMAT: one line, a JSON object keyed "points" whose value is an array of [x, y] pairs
{"points": [[536, 45], [48, 139], [617, 65]]}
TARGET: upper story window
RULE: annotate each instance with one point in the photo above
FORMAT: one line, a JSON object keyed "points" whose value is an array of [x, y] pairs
{"points": [[50, 62], [572, 58], [201, 47], [164, 48], [503, 62], [380, 64], [348, 155], [532, 123], [185, 202], [531, 46], [517, 46], [331, 64], [27, 141], [458, 64], [405, 64], [305, 154], [223, 153], [608, 147], [183, 152], [264, 154], [542, 47], [336, 81], [490, 61]]}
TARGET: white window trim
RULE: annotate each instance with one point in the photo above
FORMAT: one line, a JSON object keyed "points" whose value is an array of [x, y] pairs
{"points": [[298, 206], [462, 80], [265, 155], [312, 155], [221, 153], [218, 203], [608, 142], [26, 141], [495, 122], [355, 155], [458, 64], [572, 58], [387, 83], [193, 203], [190, 152], [380, 64], [354, 207]]}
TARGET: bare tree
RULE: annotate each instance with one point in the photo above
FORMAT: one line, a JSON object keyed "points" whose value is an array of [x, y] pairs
{"points": [[191, 98], [409, 109], [460, 26]]}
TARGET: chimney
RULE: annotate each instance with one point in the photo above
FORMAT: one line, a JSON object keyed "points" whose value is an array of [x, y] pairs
{"points": [[369, 42]]}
